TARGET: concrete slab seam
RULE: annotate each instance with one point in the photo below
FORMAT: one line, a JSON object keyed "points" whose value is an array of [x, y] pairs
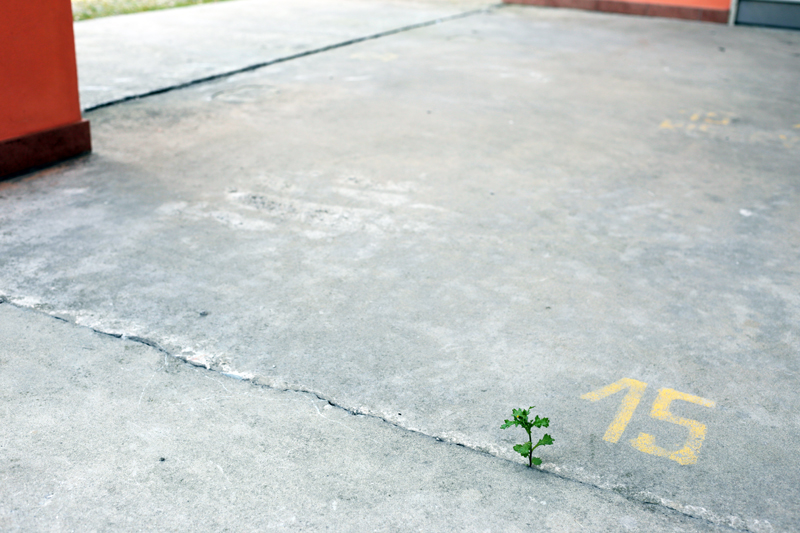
{"points": [[661, 505], [299, 55]]}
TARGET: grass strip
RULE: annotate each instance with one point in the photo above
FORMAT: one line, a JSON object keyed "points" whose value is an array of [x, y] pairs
{"points": [[92, 9]]}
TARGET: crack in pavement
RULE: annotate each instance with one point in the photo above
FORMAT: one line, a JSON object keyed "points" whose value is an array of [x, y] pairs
{"points": [[261, 382], [299, 55]]}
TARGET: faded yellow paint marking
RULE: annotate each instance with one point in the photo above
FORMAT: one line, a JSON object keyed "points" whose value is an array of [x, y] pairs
{"points": [[711, 117], [797, 125], [697, 431], [629, 403]]}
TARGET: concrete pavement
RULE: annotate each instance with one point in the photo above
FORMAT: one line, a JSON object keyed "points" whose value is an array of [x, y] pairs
{"points": [[522, 206], [130, 55], [102, 434]]}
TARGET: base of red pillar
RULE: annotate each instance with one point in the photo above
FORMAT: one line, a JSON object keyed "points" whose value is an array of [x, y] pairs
{"points": [[636, 8], [43, 148]]}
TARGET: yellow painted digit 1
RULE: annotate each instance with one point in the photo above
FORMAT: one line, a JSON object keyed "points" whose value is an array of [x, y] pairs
{"points": [[629, 404], [697, 431]]}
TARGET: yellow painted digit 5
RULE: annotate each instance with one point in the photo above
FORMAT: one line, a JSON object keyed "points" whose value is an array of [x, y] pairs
{"points": [[697, 431], [629, 404]]}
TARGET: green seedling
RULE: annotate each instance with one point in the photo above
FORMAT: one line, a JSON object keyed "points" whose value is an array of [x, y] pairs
{"points": [[526, 449]]}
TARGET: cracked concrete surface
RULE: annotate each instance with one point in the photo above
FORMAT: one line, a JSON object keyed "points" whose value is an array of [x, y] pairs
{"points": [[514, 208], [107, 434], [153, 50]]}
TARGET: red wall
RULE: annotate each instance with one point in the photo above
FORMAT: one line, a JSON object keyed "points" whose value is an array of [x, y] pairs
{"points": [[705, 10], [38, 74]]}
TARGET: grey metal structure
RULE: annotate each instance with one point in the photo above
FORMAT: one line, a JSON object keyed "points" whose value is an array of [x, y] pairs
{"points": [[776, 13]]}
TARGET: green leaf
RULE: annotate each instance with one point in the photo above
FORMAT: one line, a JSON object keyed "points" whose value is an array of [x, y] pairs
{"points": [[509, 423], [523, 449], [536, 461], [546, 440], [541, 422]]}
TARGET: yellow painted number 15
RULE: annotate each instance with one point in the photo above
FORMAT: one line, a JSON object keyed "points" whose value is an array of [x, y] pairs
{"points": [[644, 442]]}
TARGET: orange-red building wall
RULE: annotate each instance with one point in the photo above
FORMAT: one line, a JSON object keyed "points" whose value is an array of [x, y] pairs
{"points": [[705, 10]]}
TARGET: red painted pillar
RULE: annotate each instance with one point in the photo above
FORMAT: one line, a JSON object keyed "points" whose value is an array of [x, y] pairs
{"points": [[40, 114]]}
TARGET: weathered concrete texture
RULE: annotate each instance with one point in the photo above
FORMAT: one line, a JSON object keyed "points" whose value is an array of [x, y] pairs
{"points": [[129, 55], [510, 209], [100, 434]]}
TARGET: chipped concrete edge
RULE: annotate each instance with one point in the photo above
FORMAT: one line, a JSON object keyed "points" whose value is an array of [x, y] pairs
{"points": [[219, 365]]}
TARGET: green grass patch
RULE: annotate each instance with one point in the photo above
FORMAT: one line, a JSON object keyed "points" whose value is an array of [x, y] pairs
{"points": [[92, 9]]}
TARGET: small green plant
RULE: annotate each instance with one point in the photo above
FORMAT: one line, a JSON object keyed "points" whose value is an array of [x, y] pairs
{"points": [[526, 449]]}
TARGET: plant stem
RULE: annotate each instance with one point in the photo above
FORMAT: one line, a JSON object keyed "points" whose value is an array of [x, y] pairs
{"points": [[530, 453]]}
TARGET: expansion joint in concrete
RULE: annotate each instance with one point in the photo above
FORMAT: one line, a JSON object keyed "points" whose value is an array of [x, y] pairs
{"points": [[260, 382], [292, 57]]}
